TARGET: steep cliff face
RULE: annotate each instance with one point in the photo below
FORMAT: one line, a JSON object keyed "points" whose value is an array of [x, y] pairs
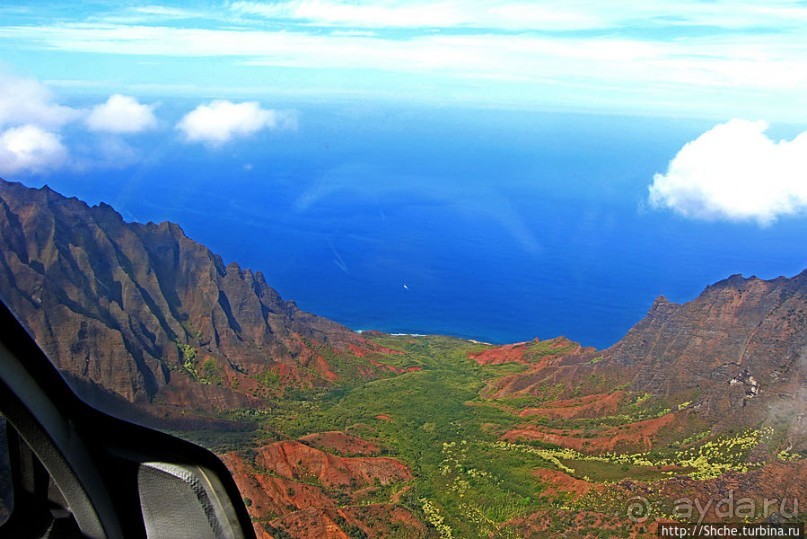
{"points": [[151, 316], [734, 357], [739, 351], [745, 336]]}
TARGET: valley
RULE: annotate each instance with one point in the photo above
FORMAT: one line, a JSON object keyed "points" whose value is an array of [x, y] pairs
{"points": [[699, 413], [468, 480]]}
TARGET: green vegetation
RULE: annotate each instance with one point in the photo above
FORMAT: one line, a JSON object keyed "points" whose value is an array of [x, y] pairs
{"points": [[188, 356], [268, 378], [787, 456], [712, 459], [698, 436], [468, 482], [552, 347], [351, 372], [209, 372], [434, 420]]}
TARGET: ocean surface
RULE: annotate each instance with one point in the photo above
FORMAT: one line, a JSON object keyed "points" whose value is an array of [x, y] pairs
{"points": [[495, 225]]}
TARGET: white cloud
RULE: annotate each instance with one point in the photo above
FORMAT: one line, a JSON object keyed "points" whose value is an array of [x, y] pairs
{"points": [[121, 114], [147, 14], [31, 121], [27, 101], [220, 121], [714, 74], [714, 59], [735, 172], [527, 15], [166, 12], [29, 148], [30, 117], [329, 13]]}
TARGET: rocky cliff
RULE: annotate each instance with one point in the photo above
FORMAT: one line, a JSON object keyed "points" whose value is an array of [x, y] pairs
{"points": [[741, 345], [734, 357], [140, 313]]}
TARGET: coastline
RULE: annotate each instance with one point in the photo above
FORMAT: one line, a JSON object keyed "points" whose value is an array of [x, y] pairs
{"points": [[474, 341]]}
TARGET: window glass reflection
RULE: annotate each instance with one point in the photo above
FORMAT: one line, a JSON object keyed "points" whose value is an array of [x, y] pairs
{"points": [[5, 474]]}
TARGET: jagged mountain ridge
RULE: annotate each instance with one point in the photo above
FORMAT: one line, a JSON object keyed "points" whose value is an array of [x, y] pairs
{"points": [[736, 356], [736, 325], [124, 307]]}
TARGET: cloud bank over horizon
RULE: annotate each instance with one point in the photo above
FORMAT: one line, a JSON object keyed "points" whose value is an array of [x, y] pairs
{"points": [[518, 14], [221, 121], [717, 59], [735, 172]]}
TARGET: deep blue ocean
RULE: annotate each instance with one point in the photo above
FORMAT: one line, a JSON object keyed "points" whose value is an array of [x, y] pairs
{"points": [[495, 225]]}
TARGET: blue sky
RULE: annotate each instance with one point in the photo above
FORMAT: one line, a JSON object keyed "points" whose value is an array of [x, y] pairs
{"points": [[714, 59], [99, 74]]}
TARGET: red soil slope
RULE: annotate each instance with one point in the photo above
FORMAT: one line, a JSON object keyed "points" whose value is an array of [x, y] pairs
{"points": [[310, 493]]}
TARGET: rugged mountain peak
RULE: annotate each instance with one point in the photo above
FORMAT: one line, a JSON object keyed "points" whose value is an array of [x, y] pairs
{"points": [[151, 315], [735, 356]]}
